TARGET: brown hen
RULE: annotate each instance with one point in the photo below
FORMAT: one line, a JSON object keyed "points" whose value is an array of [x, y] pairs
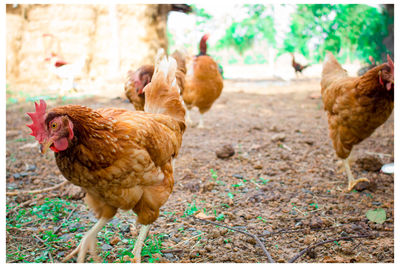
{"points": [[122, 159], [355, 106], [204, 83]]}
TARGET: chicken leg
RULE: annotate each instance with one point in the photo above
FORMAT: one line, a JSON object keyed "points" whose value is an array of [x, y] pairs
{"points": [[88, 242], [201, 123], [352, 182], [188, 121], [137, 250]]}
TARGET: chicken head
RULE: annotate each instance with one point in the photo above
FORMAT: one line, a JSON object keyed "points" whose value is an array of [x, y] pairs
{"points": [[52, 132]]}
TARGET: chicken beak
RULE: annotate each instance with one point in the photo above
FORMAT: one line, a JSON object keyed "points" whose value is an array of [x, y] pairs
{"points": [[45, 146]]}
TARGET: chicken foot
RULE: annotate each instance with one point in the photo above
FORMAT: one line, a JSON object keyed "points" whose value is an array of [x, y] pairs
{"points": [[137, 250], [352, 182], [88, 243]]}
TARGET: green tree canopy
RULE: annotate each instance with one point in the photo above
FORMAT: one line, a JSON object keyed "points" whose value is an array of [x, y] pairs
{"points": [[258, 25], [354, 31]]}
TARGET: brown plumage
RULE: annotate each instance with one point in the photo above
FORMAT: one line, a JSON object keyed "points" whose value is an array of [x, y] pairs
{"points": [[142, 76], [181, 69], [355, 106], [135, 83], [204, 83], [122, 159]]}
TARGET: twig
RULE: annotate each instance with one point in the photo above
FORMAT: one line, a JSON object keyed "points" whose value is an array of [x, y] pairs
{"points": [[287, 147], [26, 203], [292, 230], [186, 240], [381, 155], [66, 219], [36, 191], [324, 242], [270, 260], [172, 251], [50, 257]]}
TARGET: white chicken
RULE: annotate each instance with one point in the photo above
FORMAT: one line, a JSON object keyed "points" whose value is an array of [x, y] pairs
{"points": [[67, 72]]}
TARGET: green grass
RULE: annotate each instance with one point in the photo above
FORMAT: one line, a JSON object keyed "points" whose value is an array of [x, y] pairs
{"points": [[46, 217]]}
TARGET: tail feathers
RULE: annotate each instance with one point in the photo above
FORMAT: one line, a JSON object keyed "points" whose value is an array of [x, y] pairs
{"points": [[181, 69], [166, 66], [162, 93]]}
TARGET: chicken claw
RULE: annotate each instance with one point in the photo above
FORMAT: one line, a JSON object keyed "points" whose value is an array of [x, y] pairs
{"points": [[353, 183], [88, 243]]}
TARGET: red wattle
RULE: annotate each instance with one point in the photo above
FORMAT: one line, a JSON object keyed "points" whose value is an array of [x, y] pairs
{"points": [[61, 144]]}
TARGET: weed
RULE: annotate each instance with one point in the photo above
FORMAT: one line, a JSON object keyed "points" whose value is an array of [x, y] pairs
{"points": [[238, 185], [263, 181], [192, 209], [214, 176], [224, 205], [262, 219], [219, 217]]}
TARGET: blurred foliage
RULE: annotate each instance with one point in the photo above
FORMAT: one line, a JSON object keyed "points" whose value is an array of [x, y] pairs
{"points": [[349, 31], [241, 35], [171, 41], [201, 15]]}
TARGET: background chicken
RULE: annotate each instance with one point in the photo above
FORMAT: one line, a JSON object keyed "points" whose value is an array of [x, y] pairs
{"points": [[364, 69], [122, 159], [204, 83], [355, 106], [137, 80], [298, 68], [135, 84], [66, 71]]}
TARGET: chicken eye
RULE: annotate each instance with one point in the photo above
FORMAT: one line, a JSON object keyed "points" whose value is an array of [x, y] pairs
{"points": [[53, 125]]}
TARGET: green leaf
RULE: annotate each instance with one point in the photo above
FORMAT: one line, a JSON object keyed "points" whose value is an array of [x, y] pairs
{"points": [[376, 215]]}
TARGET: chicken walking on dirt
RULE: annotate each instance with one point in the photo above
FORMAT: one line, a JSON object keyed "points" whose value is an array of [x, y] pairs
{"points": [[204, 83], [122, 159], [355, 106]]}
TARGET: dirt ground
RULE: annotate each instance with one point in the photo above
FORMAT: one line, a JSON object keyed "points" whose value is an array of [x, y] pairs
{"points": [[282, 184]]}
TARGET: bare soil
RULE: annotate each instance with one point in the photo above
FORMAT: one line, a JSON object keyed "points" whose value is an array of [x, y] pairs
{"points": [[282, 184]]}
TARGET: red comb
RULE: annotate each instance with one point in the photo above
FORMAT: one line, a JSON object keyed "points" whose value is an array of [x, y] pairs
{"points": [[38, 127], [205, 37], [391, 64]]}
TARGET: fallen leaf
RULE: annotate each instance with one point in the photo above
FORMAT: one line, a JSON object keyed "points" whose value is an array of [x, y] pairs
{"points": [[376, 215]]}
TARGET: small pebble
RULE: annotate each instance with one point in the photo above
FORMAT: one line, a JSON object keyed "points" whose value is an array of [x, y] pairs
{"points": [[169, 256], [30, 168], [226, 151], [106, 247], [238, 176], [278, 137]]}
